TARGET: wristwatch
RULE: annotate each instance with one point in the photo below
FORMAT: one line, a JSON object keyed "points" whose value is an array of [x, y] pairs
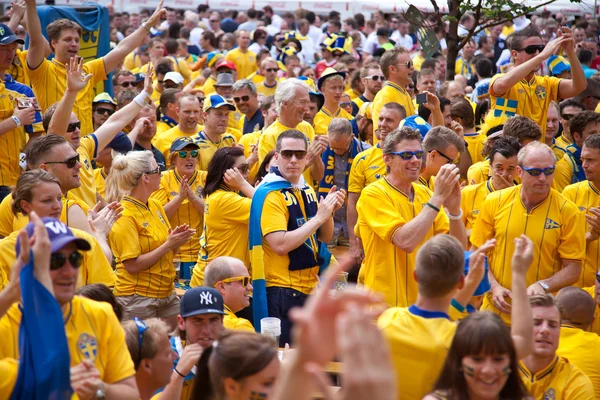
{"points": [[100, 393], [544, 286]]}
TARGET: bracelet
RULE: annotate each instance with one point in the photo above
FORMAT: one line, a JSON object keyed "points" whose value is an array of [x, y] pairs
{"points": [[178, 373], [432, 206], [140, 99], [455, 217], [17, 121]]}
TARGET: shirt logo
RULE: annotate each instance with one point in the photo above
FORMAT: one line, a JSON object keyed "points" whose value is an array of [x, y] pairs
{"points": [[160, 217], [475, 212], [550, 394], [540, 91], [582, 208], [550, 224], [505, 106], [88, 346], [145, 224], [199, 191], [373, 167], [173, 194], [377, 176], [206, 298]]}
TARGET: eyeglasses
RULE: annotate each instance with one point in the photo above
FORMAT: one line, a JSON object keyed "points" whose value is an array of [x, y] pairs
{"points": [[73, 126], [184, 154], [408, 64], [153, 171], [271, 69], [346, 104], [376, 78], [449, 160], [102, 111], [142, 327], [243, 98], [126, 84], [58, 260], [538, 171], [244, 168], [567, 117], [408, 155], [246, 280], [533, 48], [214, 21], [69, 162], [288, 154]]}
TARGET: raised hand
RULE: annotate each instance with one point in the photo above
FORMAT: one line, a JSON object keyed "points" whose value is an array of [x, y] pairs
{"points": [[432, 103], [156, 15], [331, 203], [477, 262], [103, 219], [190, 356], [25, 115], [77, 79], [523, 255], [148, 86], [234, 178], [445, 181]]}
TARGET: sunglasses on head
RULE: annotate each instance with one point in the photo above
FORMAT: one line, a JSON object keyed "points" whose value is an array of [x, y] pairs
{"points": [[538, 171], [103, 111], [184, 154], [408, 155], [73, 126], [142, 327], [272, 69], [126, 84], [288, 154], [533, 48], [70, 162], [376, 78], [58, 260], [243, 98], [246, 280]]}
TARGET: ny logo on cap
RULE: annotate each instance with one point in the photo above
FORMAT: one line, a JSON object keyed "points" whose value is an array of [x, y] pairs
{"points": [[206, 298], [56, 226], [1, 30]]}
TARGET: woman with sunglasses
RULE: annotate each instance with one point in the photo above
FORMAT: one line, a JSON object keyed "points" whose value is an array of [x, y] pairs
{"points": [[142, 240], [150, 350], [40, 192], [226, 211], [180, 194]]}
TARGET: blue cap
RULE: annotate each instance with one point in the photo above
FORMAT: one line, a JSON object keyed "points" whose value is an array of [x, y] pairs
{"points": [[7, 36], [484, 286], [139, 77], [417, 123], [120, 143], [59, 234], [182, 143], [216, 101], [201, 300]]}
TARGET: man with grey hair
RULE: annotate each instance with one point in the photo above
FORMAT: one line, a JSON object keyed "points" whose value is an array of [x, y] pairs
{"points": [[549, 219], [337, 158], [292, 100], [231, 278], [245, 98], [190, 21]]}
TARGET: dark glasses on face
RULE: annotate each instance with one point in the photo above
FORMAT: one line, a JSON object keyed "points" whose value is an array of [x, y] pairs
{"points": [[246, 280], [153, 172], [288, 154], [243, 98], [408, 155], [73, 126], [533, 48], [103, 111], [448, 159], [192, 153], [142, 327], [376, 78], [408, 64], [538, 171], [70, 163], [244, 168], [272, 69], [57, 260], [127, 84], [567, 117]]}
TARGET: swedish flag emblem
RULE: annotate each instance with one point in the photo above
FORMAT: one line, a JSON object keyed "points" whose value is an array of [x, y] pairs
{"points": [[505, 106], [88, 346], [550, 224]]}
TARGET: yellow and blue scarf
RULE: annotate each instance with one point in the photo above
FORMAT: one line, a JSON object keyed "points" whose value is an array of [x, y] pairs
{"points": [[328, 158]]}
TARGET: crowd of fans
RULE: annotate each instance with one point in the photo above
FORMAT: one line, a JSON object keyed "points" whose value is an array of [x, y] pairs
{"points": [[147, 230]]}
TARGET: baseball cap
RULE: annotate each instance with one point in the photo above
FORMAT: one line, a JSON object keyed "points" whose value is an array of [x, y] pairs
{"points": [[120, 143], [139, 77], [174, 77], [59, 234], [484, 286], [224, 79], [7, 36], [226, 64], [417, 123], [182, 143], [201, 300], [216, 101], [104, 98]]}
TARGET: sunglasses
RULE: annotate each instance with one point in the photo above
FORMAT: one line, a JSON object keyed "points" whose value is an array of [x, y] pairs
{"points": [[288, 154], [214, 21], [153, 172], [58, 260], [184, 154], [533, 48], [567, 117], [103, 111], [127, 84], [448, 159], [70, 162], [598, 277], [408, 64], [376, 78], [244, 168], [408, 155], [73, 126], [243, 98], [272, 69], [538, 171], [246, 280], [346, 104], [142, 327]]}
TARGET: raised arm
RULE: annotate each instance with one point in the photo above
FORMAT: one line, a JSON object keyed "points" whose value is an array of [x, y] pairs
{"points": [[568, 88], [37, 42], [127, 45], [522, 319], [19, 8]]}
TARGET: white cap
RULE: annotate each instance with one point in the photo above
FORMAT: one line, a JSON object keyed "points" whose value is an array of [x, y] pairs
{"points": [[521, 23], [175, 77]]}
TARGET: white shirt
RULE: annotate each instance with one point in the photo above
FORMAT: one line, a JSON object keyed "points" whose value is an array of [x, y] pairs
{"points": [[308, 50], [277, 21], [371, 43], [255, 48], [196, 35], [272, 30], [315, 34], [405, 41]]}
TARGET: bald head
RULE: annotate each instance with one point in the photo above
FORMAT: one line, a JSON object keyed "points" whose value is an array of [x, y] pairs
{"points": [[576, 307], [222, 268]]}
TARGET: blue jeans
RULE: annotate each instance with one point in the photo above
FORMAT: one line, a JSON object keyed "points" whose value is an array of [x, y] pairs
{"points": [[280, 301]]}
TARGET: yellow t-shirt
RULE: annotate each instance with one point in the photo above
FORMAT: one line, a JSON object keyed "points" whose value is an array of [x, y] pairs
{"points": [[324, 116], [585, 195], [208, 148], [419, 341], [87, 150], [132, 61], [170, 182], [226, 218], [100, 179], [9, 370], [161, 127], [245, 62], [529, 99], [256, 78], [382, 210], [418, 61], [591, 290], [234, 323], [93, 333], [563, 175], [559, 380], [581, 348], [562, 141], [367, 167], [472, 197], [478, 172], [475, 146], [464, 68], [209, 85], [164, 141], [391, 93], [145, 228], [17, 69], [49, 82], [556, 227], [266, 90], [428, 183], [275, 218], [247, 141]]}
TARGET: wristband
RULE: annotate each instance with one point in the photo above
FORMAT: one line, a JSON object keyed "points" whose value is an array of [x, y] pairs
{"points": [[455, 217], [140, 99], [146, 27], [178, 373], [17, 121], [432, 206]]}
